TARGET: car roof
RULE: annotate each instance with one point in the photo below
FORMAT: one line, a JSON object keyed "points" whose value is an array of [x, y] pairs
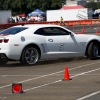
{"points": [[37, 25]]}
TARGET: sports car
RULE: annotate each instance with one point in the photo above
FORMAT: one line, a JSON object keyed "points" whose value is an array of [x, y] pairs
{"points": [[33, 42]]}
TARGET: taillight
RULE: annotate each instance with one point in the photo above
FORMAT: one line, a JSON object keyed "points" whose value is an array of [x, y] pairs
{"points": [[1, 41], [6, 40]]}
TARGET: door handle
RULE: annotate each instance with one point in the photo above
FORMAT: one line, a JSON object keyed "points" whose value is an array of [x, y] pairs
{"points": [[50, 40]]}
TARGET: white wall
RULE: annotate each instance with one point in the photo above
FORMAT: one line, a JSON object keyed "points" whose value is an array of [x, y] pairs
{"points": [[4, 15], [71, 14]]}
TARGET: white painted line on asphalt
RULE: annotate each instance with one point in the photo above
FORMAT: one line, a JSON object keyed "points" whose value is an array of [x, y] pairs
{"points": [[42, 85], [41, 75], [75, 74], [17, 75], [87, 96], [85, 72], [90, 74], [3, 97], [48, 75], [52, 73], [61, 80], [85, 65], [5, 86]]}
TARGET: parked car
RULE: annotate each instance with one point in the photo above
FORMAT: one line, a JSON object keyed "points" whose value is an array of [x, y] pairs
{"points": [[30, 43]]}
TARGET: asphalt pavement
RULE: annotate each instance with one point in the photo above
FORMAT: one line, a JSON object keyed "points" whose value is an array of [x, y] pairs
{"points": [[45, 80]]}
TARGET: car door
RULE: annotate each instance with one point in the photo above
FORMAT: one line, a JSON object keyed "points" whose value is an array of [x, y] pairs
{"points": [[60, 42]]}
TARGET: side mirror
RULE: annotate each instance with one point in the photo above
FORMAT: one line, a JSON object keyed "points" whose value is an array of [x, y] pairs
{"points": [[70, 33]]}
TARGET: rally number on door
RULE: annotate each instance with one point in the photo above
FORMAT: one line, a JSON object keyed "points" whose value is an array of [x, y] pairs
{"points": [[61, 47]]}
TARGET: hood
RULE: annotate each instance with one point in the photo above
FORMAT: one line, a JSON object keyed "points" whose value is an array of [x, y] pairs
{"points": [[87, 37]]}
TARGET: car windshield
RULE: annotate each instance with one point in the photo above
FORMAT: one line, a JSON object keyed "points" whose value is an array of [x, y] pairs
{"points": [[13, 30]]}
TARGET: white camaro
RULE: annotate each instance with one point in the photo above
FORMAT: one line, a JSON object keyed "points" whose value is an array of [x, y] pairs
{"points": [[29, 43]]}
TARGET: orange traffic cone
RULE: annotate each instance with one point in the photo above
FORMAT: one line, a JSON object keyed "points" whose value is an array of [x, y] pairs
{"points": [[96, 32], [66, 74], [83, 29]]}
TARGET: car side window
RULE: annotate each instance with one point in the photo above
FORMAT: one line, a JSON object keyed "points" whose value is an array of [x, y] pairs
{"points": [[39, 32], [55, 31], [47, 30]]}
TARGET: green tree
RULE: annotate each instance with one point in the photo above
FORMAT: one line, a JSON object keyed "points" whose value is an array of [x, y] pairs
{"points": [[98, 5], [1, 2], [7, 4], [26, 6], [92, 5]]}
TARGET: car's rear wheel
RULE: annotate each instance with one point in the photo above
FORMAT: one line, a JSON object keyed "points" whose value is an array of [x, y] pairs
{"points": [[93, 51], [3, 61], [30, 56]]}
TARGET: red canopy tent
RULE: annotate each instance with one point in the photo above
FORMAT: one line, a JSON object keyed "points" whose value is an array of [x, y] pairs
{"points": [[22, 15], [71, 7]]}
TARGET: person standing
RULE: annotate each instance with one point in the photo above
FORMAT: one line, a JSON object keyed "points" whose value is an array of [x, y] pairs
{"points": [[62, 21]]}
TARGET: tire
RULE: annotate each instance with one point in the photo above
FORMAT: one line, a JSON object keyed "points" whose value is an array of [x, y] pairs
{"points": [[30, 56], [3, 61], [93, 51]]}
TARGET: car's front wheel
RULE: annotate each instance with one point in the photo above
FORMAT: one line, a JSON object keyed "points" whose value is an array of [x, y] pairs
{"points": [[30, 56], [93, 51]]}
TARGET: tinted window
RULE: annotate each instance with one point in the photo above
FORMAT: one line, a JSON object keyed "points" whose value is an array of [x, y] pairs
{"points": [[40, 32], [13, 30], [55, 31]]}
